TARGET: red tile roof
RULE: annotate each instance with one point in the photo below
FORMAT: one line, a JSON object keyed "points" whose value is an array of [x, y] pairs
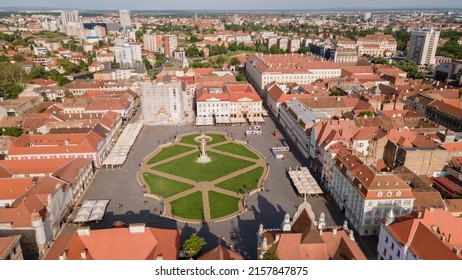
{"points": [[423, 234], [119, 244]]}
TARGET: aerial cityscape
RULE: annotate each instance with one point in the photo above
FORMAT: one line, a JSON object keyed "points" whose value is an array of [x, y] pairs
{"points": [[231, 131]]}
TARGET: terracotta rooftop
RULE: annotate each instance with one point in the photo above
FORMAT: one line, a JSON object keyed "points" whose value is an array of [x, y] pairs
{"points": [[119, 244], [423, 232]]}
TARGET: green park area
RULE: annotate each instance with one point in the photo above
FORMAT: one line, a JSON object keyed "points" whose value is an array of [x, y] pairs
{"points": [[169, 152], [189, 139], [187, 167], [236, 149], [189, 207], [164, 187], [244, 182], [222, 205]]}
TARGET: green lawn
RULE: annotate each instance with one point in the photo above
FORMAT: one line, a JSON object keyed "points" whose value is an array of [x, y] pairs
{"points": [[169, 152], [236, 184], [222, 205], [165, 186], [237, 149], [189, 139], [189, 207], [188, 168], [216, 138]]}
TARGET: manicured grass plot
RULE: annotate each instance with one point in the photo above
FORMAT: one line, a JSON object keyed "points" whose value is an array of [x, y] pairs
{"points": [[189, 207], [237, 149], [222, 205], [169, 152], [163, 186], [242, 183], [189, 139], [188, 168], [216, 138]]}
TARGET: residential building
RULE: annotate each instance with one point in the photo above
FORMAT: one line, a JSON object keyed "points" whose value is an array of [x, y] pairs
{"points": [[305, 238], [37, 215], [220, 253], [150, 41], [170, 44], [431, 234], [10, 248], [166, 103], [137, 242], [366, 196], [296, 120], [125, 20], [422, 46], [444, 114], [128, 55]]}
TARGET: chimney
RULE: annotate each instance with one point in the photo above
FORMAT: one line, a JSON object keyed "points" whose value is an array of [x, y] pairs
{"points": [[432, 209], [334, 231], [456, 250], [449, 238], [137, 228], [320, 232], [159, 257], [83, 254], [83, 231], [63, 256], [351, 236]]}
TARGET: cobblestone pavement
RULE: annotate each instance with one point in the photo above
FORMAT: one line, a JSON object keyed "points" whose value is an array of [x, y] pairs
{"points": [[267, 207]]}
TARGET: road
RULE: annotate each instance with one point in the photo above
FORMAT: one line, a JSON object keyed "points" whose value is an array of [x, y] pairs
{"points": [[267, 207]]}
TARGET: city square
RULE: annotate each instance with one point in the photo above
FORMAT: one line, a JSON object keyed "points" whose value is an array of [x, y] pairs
{"points": [[267, 207], [207, 187]]}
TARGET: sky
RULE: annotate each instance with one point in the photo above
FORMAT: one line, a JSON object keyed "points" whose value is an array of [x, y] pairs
{"points": [[228, 4]]}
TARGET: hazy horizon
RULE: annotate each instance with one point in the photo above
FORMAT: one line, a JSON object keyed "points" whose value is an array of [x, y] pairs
{"points": [[231, 5]]}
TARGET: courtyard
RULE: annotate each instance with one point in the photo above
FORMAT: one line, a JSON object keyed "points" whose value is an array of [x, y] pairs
{"points": [[191, 190]]}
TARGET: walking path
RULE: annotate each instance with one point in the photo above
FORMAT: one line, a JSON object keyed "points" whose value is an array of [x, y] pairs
{"points": [[203, 186]]}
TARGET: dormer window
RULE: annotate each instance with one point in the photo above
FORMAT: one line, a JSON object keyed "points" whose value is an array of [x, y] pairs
{"points": [[379, 194], [398, 193], [389, 194]]}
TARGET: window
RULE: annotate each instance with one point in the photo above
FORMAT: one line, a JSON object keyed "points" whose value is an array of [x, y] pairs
{"points": [[378, 212], [389, 194], [379, 194], [398, 193], [376, 221], [386, 239], [392, 245], [398, 254], [384, 251]]}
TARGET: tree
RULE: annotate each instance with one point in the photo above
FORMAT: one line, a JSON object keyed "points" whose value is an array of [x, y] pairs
{"points": [[193, 51], [379, 60], [234, 61], [271, 254], [241, 78], [38, 72], [11, 131], [193, 245], [18, 58], [12, 79], [303, 50], [366, 113], [275, 50], [138, 35], [194, 39], [3, 58], [147, 64], [334, 92]]}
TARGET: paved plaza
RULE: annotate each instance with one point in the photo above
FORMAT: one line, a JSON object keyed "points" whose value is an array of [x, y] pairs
{"points": [[204, 187], [267, 207]]}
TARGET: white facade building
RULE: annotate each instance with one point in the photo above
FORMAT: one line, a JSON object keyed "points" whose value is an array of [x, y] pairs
{"points": [[127, 55], [125, 20], [366, 197], [149, 42], [164, 103], [422, 46]]}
